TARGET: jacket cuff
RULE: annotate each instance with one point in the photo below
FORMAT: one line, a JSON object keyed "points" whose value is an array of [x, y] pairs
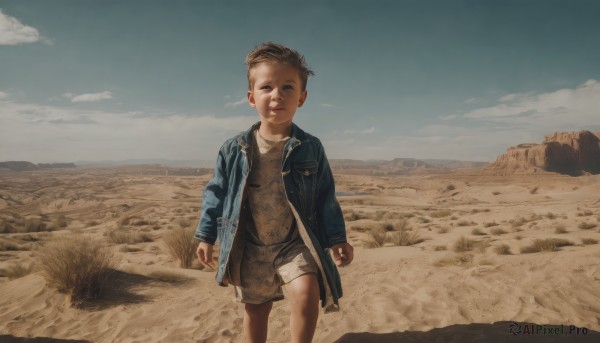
{"points": [[205, 238], [337, 240]]}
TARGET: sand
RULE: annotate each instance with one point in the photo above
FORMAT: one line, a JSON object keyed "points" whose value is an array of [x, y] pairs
{"points": [[419, 293]]}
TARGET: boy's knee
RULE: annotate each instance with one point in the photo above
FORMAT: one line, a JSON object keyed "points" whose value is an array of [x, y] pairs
{"points": [[259, 310]]}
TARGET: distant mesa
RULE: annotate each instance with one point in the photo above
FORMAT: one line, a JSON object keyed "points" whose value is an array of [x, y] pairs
{"points": [[20, 166], [400, 166], [571, 153]]}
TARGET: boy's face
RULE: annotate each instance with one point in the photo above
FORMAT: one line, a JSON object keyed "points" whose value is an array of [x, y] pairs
{"points": [[276, 92]]}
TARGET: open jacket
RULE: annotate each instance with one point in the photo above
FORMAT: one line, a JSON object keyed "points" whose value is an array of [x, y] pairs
{"points": [[310, 191]]}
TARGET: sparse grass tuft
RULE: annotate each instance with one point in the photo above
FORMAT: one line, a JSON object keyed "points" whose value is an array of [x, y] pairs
{"points": [[16, 270], [490, 224], [405, 238], [502, 249], [78, 266], [463, 244], [551, 215], [376, 238], [440, 248], [497, 231], [450, 187], [440, 214], [464, 223], [589, 241], [585, 213], [586, 226], [478, 232], [443, 229], [495, 193], [560, 228], [181, 245], [454, 260], [534, 190], [124, 237], [548, 244]]}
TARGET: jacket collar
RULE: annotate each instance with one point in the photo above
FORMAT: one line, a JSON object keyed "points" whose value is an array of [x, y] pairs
{"points": [[298, 136]]}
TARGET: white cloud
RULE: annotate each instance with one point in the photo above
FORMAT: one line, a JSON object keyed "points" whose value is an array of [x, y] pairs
{"points": [[564, 109], [90, 97], [3, 95], [41, 133], [471, 100], [238, 103], [13, 32]]}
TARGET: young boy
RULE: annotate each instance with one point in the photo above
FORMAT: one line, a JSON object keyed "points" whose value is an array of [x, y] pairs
{"points": [[272, 205]]}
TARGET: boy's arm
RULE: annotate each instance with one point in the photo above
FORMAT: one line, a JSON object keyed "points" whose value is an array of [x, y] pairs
{"points": [[328, 209], [212, 202]]}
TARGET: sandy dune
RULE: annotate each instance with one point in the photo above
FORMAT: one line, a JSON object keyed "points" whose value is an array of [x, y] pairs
{"points": [[419, 293]]}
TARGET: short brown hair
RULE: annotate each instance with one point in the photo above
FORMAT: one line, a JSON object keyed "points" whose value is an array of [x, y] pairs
{"points": [[271, 52]]}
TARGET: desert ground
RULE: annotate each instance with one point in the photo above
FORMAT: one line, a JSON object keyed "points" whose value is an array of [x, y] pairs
{"points": [[444, 257]]}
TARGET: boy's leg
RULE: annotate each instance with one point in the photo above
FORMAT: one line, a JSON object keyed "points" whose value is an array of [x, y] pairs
{"points": [[256, 320], [304, 296]]}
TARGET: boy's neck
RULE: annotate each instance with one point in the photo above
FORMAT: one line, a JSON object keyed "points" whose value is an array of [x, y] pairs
{"points": [[275, 132]]}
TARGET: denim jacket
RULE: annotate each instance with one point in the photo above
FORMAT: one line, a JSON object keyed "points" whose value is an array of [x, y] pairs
{"points": [[310, 191]]}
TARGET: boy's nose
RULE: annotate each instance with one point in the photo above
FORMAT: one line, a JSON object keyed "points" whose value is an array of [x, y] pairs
{"points": [[277, 94]]}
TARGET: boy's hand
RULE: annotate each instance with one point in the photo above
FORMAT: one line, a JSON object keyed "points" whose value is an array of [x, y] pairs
{"points": [[343, 254], [204, 253]]}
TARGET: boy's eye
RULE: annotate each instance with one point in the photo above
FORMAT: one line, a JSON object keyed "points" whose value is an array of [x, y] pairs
{"points": [[265, 87], [288, 87]]}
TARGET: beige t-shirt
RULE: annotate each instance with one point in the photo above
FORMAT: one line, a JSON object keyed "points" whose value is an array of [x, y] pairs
{"points": [[270, 210]]}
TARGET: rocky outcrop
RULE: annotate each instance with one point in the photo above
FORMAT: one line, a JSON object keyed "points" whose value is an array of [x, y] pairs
{"points": [[572, 153]]}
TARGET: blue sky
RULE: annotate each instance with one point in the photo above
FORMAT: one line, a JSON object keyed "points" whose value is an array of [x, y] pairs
{"points": [[95, 80]]}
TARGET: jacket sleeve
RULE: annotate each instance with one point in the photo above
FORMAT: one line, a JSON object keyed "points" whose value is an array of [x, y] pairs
{"points": [[329, 212], [213, 198]]}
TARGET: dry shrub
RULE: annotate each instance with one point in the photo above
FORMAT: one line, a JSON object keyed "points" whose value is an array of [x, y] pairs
{"points": [[129, 248], [497, 231], [586, 226], [585, 213], [439, 248], [181, 245], [453, 218], [140, 222], [534, 190], [450, 187], [444, 229], [463, 244], [519, 221], [482, 245], [464, 223], [479, 210], [551, 215], [518, 237], [548, 244], [78, 266], [93, 223], [478, 232], [405, 238], [502, 249], [376, 238], [589, 241], [560, 228], [454, 260], [34, 225], [16, 270], [490, 224], [61, 222], [123, 237], [440, 214]]}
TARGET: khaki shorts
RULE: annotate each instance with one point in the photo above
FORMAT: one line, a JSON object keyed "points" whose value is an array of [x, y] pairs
{"points": [[264, 271]]}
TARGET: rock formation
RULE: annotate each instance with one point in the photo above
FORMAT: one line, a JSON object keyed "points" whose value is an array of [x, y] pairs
{"points": [[572, 153]]}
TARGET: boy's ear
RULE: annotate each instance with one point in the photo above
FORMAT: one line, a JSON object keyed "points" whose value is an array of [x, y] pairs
{"points": [[251, 101], [302, 98]]}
